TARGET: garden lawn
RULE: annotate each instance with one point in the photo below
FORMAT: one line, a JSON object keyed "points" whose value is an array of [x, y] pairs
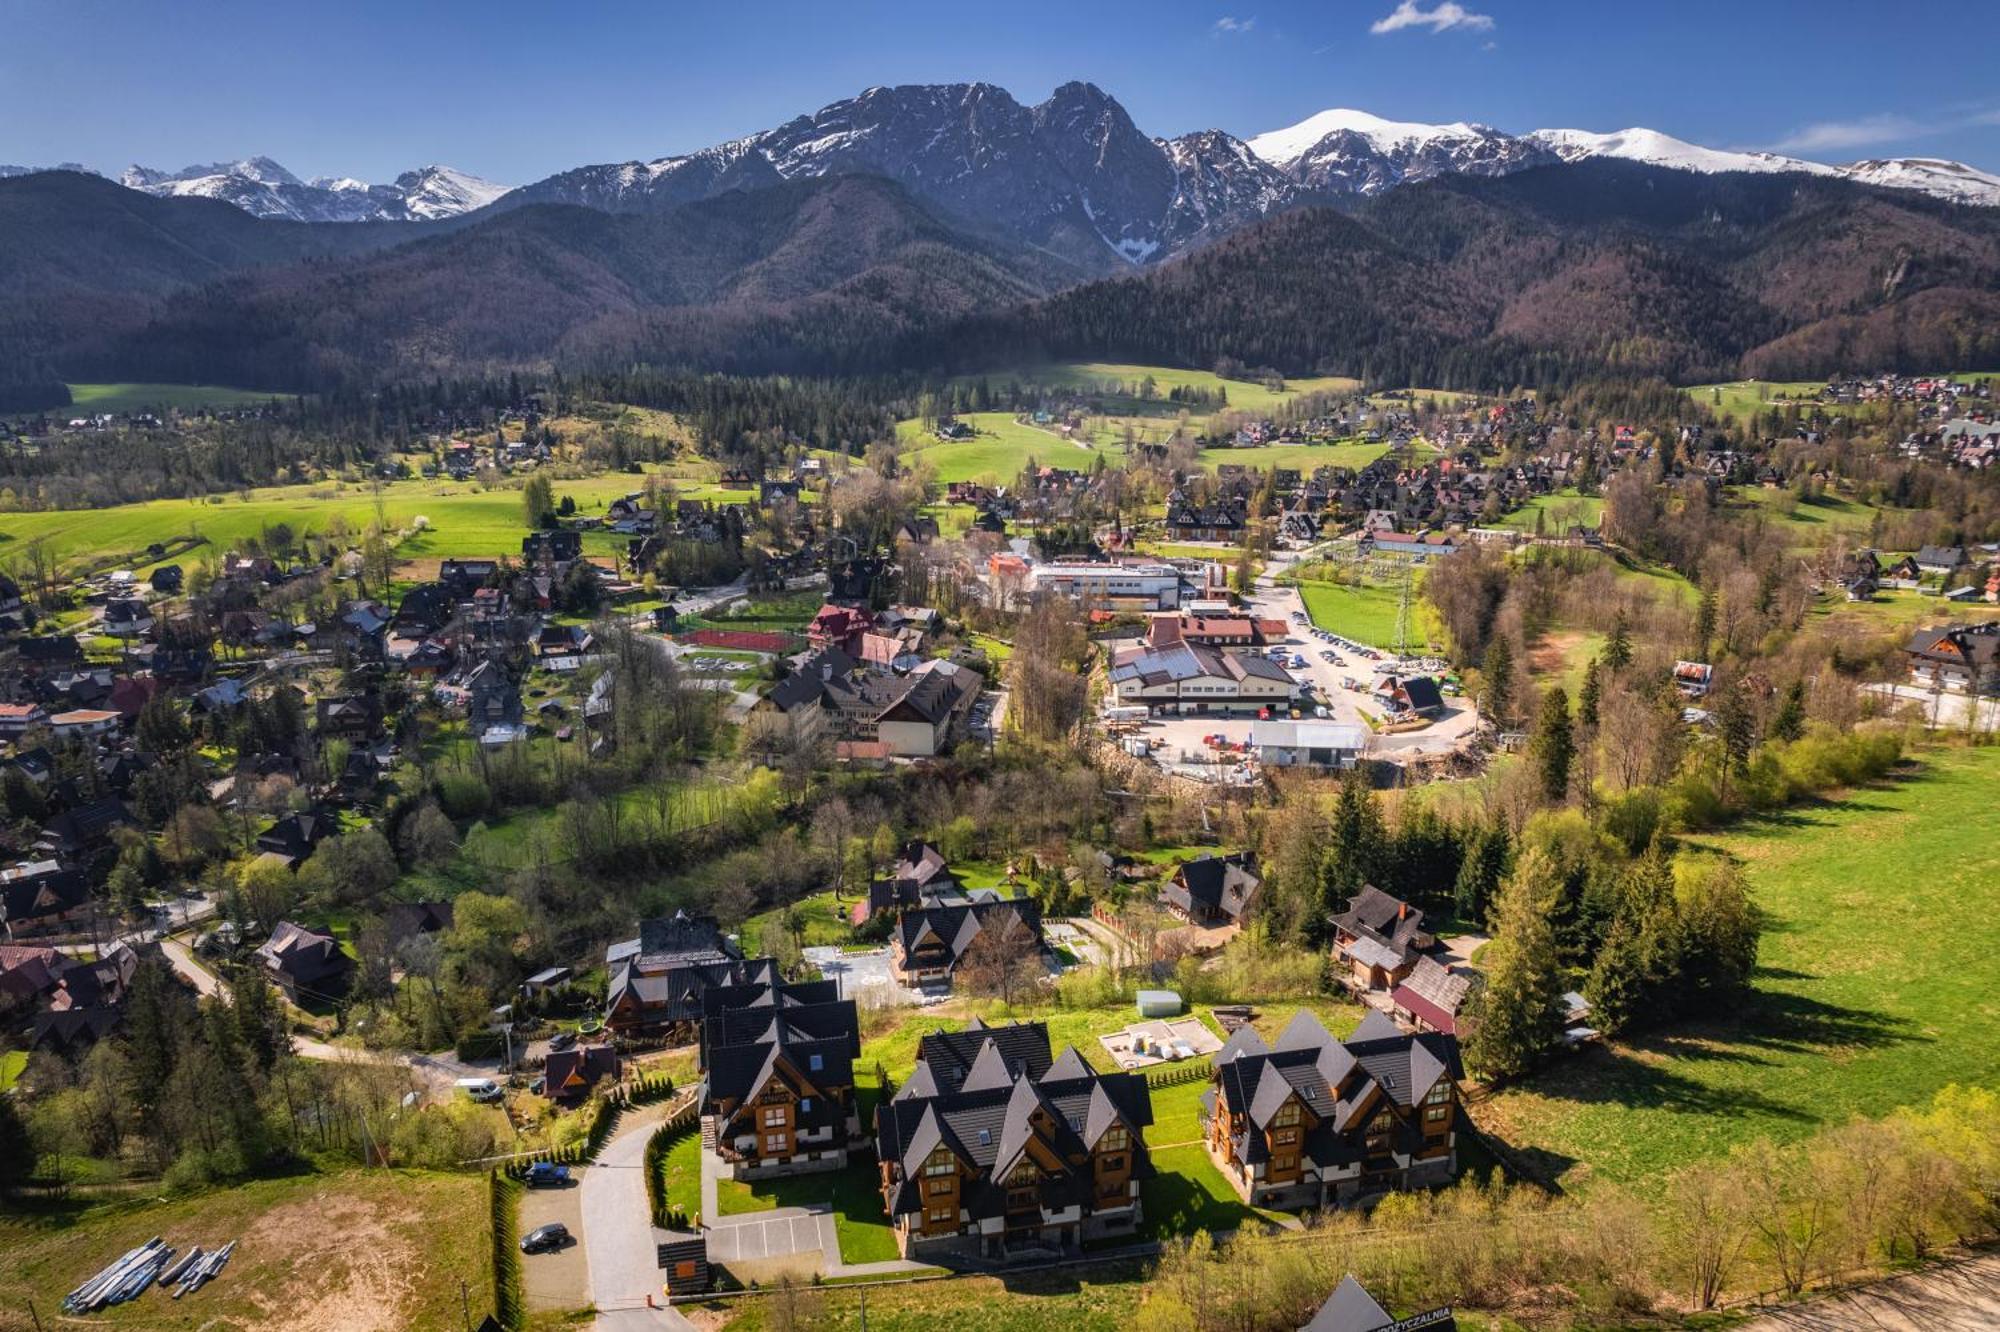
{"points": [[1874, 989], [858, 1216], [822, 922], [680, 1173]]}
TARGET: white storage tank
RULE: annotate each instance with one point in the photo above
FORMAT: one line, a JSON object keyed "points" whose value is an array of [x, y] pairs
{"points": [[1159, 1004]]}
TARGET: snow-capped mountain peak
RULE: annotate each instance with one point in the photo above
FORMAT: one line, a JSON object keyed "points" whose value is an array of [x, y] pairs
{"points": [[1933, 175], [440, 191], [1651, 146], [1282, 147], [1352, 152], [263, 188]]}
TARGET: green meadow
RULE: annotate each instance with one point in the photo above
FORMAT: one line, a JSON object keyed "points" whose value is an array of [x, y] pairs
{"points": [[462, 520], [1874, 988], [1243, 395], [88, 399]]}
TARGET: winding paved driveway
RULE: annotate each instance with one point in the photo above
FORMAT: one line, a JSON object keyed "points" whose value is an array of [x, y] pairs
{"points": [[618, 1231]]}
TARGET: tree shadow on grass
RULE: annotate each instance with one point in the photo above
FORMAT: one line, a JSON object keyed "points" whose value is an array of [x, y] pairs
{"points": [[1613, 1076], [1788, 1023]]}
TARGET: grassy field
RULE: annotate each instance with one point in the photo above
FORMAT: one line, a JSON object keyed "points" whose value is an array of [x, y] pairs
{"points": [[371, 1250], [1813, 523], [11, 1064], [1562, 509], [90, 399], [1370, 613], [463, 521], [1304, 458], [998, 450], [1092, 1299], [1746, 397], [1243, 395], [1873, 990]]}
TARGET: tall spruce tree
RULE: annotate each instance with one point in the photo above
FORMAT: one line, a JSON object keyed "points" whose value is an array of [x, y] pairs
{"points": [[1498, 671], [1515, 1017], [1789, 722], [1590, 695], [1554, 745], [1618, 644]]}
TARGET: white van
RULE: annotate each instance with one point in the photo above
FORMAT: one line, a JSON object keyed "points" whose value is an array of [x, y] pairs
{"points": [[480, 1089]]}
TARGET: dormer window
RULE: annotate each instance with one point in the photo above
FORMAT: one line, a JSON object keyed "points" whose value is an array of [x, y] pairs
{"points": [[941, 1163], [1439, 1095], [1115, 1139], [1288, 1114]]}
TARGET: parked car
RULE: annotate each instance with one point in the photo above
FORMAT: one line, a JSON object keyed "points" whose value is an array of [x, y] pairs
{"points": [[546, 1175], [546, 1239], [480, 1089], [562, 1040]]}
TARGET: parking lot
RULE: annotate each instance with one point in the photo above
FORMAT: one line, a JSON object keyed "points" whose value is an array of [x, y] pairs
{"points": [[559, 1279], [1180, 744], [1344, 705]]}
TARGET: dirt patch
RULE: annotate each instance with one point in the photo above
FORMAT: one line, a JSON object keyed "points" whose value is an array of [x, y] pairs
{"points": [[419, 571], [341, 1263], [1550, 654]]}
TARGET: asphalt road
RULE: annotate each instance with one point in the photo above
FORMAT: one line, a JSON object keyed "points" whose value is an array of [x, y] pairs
{"points": [[1959, 1296]]}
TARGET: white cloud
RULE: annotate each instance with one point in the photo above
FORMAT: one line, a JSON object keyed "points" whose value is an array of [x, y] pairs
{"points": [[1884, 127], [1441, 17], [1232, 25], [1834, 135]]}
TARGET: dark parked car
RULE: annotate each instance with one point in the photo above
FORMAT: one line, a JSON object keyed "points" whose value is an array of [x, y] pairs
{"points": [[545, 1239], [562, 1040], [547, 1175]]}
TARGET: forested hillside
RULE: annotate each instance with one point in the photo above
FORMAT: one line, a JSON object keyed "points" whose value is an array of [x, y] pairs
{"points": [[1552, 274], [1546, 276]]}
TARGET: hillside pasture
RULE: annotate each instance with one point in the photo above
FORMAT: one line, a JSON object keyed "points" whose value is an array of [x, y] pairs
{"points": [[463, 519], [1242, 394], [999, 449], [93, 399], [1873, 989]]}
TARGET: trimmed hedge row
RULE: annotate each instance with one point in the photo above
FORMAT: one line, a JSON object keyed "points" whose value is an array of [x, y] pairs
{"points": [[509, 1304]]}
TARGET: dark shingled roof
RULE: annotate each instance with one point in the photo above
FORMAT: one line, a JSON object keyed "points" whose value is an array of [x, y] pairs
{"points": [[992, 1096]]}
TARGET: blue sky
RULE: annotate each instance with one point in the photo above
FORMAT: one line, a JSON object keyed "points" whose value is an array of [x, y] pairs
{"points": [[515, 91]]}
